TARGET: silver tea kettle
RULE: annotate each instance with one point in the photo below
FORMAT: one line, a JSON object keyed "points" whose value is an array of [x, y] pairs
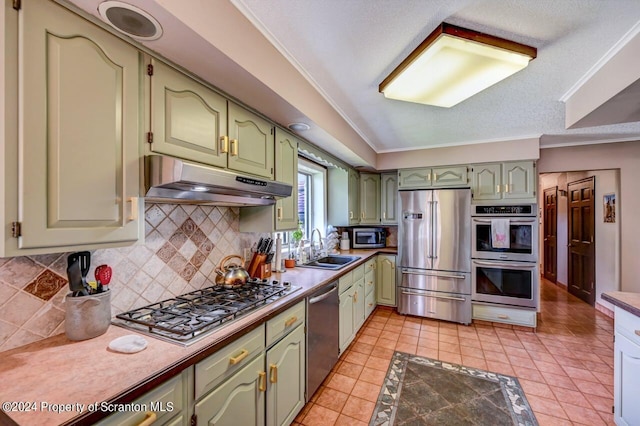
{"points": [[231, 276]]}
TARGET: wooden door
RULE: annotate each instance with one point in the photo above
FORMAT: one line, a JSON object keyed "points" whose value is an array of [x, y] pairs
{"points": [[582, 270], [550, 229], [79, 168]]}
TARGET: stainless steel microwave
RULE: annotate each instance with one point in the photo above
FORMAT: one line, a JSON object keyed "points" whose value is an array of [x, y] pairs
{"points": [[368, 237]]}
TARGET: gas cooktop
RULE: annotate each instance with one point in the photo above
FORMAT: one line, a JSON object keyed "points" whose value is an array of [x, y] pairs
{"points": [[192, 316]]}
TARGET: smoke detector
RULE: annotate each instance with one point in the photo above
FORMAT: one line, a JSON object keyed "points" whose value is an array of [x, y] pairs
{"points": [[130, 20]]}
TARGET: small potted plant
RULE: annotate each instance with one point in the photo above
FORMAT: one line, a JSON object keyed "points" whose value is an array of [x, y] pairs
{"points": [[295, 238]]}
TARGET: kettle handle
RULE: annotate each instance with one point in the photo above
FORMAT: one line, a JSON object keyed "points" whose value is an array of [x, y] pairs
{"points": [[231, 256]]}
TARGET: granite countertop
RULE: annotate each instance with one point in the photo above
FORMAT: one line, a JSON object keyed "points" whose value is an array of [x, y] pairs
{"points": [[57, 370], [628, 301]]}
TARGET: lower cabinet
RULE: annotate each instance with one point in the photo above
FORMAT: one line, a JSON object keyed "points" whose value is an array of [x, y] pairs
{"points": [[386, 280], [358, 305], [165, 405], [238, 401], [347, 306], [244, 384], [525, 317], [626, 370], [286, 378]]}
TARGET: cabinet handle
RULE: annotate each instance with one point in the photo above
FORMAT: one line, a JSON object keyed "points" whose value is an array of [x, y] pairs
{"points": [[355, 297], [435, 176], [384, 215], [290, 321], [503, 316], [350, 215], [273, 373], [362, 215], [224, 144], [370, 304], [370, 282], [234, 147], [133, 213], [235, 360], [279, 213], [429, 176], [262, 381], [497, 188], [637, 332], [149, 418]]}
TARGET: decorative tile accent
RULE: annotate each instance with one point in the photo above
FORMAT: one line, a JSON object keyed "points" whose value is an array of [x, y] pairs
{"points": [[46, 285], [179, 254], [440, 399]]}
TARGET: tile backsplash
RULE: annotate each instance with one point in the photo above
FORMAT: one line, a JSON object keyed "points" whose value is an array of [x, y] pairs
{"points": [[183, 245]]}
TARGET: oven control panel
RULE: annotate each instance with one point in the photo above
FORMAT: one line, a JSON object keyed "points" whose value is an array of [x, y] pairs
{"points": [[513, 210]]}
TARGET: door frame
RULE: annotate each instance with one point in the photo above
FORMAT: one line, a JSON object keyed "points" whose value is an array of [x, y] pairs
{"points": [[553, 278]]}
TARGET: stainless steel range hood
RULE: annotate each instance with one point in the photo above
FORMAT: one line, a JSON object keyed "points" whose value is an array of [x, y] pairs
{"points": [[170, 180]]}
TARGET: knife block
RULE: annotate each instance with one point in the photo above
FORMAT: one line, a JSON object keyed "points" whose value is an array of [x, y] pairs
{"points": [[263, 271], [87, 317]]}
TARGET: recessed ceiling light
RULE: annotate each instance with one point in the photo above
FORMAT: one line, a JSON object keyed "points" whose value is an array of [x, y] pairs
{"points": [[299, 127], [453, 64], [130, 20]]}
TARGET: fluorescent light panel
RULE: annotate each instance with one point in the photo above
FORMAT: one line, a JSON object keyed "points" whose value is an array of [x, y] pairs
{"points": [[453, 64]]}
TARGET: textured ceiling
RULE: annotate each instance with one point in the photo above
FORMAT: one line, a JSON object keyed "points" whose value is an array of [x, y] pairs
{"points": [[346, 48]]}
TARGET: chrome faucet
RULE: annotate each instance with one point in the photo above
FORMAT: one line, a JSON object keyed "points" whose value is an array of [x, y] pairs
{"points": [[314, 253]]}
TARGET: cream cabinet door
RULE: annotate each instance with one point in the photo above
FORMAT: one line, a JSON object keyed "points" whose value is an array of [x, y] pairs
{"points": [[518, 180], [414, 178], [251, 143], [389, 198], [354, 197], [359, 298], [369, 199], [79, 168], [487, 181], [449, 176], [286, 378], [237, 401], [287, 171], [188, 120], [386, 282], [346, 332]]}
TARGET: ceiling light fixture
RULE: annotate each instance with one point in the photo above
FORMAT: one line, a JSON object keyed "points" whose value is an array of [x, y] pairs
{"points": [[453, 64], [299, 127], [130, 20]]}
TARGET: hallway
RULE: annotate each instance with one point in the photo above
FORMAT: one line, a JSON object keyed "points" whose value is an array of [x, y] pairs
{"points": [[565, 368]]}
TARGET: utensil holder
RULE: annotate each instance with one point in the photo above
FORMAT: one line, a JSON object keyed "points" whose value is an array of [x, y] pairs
{"points": [[87, 317], [264, 271]]}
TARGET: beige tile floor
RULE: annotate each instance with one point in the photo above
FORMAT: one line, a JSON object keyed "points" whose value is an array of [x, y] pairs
{"points": [[565, 367]]}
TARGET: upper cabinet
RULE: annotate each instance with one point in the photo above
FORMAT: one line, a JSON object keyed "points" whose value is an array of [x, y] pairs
{"points": [[283, 215], [389, 198], [514, 180], [77, 176], [369, 198], [191, 121], [343, 201], [429, 177]]}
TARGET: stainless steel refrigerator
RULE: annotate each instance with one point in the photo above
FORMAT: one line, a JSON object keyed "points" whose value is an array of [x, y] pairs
{"points": [[434, 272]]}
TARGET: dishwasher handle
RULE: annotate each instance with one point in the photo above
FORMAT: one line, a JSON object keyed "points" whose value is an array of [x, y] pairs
{"points": [[322, 296]]}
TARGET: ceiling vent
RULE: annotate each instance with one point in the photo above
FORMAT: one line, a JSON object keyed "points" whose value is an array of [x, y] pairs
{"points": [[130, 20]]}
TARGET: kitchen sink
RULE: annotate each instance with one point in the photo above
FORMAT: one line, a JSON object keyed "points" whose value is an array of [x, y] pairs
{"points": [[332, 261]]}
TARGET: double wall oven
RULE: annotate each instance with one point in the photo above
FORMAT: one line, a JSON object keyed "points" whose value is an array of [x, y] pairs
{"points": [[505, 273]]}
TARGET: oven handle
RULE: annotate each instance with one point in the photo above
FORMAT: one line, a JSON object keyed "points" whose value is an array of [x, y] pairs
{"points": [[506, 265], [455, 277], [514, 222], [322, 296], [457, 299]]}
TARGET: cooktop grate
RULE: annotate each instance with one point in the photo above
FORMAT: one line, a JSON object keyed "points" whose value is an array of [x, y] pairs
{"points": [[186, 317]]}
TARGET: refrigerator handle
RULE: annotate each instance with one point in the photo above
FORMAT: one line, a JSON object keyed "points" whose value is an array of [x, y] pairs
{"points": [[430, 243], [434, 233]]}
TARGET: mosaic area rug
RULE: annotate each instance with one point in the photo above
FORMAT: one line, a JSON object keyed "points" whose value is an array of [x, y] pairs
{"points": [[423, 391]]}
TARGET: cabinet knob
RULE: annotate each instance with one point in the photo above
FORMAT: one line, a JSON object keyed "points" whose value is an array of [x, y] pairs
{"points": [[502, 316]]}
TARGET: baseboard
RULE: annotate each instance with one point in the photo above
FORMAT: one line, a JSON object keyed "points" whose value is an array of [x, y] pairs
{"points": [[603, 309]]}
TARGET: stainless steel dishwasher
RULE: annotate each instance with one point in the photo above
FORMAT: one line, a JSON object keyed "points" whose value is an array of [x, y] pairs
{"points": [[323, 343]]}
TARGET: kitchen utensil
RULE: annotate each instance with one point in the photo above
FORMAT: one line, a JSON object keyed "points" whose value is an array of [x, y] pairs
{"points": [[231, 276], [85, 263], [87, 317], [103, 276], [269, 245], [74, 274]]}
